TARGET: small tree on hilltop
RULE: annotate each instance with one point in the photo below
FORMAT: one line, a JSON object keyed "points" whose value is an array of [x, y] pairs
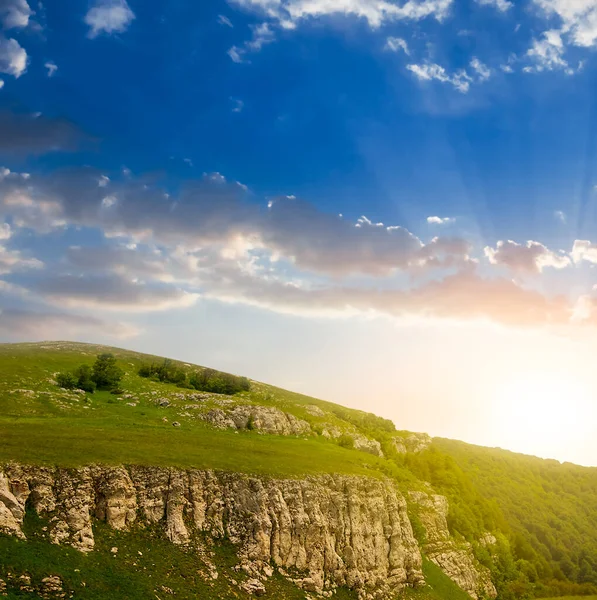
{"points": [[106, 374]]}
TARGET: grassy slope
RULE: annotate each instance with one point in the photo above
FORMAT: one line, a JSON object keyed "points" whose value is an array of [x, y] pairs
{"points": [[55, 428]]}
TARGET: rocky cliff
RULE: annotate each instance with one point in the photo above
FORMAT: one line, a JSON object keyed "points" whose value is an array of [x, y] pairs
{"points": [[321, 532], [456, 560]]}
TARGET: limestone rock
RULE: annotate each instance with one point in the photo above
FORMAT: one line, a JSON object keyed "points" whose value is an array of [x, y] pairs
{"points": [[265, 419], [456, 560], [329, 530], [314, 410]]}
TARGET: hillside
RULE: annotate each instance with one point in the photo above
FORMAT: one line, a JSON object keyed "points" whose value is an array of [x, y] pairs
{"points": [[456, 521]]}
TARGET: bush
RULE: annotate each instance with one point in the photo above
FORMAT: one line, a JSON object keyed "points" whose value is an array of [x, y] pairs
{"points": [[85, 381], [210, 380], [66, 380], [106, 374], [167, 372], [346, 441]]}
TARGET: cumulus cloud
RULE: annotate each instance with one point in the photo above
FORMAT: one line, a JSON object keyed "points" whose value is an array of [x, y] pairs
{"points": [[395, 44], [288, 13], [440, 220], [431, 71], [14, 13], [584, 250], [21, 324], [578, 19], [13, 58], [531, 257], [482, 70], [32, 134], [108, 16], [547, 53]]}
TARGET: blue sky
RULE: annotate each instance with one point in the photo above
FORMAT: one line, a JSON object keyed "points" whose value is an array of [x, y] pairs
{"points": [[337, 196]]}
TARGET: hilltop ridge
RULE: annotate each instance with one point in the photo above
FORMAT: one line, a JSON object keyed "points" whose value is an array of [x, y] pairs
{"points": [[72, 463]]}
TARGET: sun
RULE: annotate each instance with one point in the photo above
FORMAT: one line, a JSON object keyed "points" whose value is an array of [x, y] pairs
{"points": [[542, 413]]}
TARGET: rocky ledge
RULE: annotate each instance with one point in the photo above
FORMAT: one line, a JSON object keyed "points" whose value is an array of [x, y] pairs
{"points": [[327, 531]]}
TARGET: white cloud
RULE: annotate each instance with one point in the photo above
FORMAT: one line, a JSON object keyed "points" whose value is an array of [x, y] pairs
{"points": [[547, 53], [584, 250], [430, 71], [560, 216], [13, 260], [395, 44], [5, 231], [289, 12], [52, 68], [578, 18], [13, 58], [506, 68], [224, 20], [530, 258], [14, 13], [238, 105], [188, 161], [108, 16], [262, 35], [482, 70], [235, 54], [501, 5], [440, 220]]}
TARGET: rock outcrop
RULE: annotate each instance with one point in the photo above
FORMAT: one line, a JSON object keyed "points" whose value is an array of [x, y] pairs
{"points": [[415, 442], [456, 560], [327, 531], [265, 419]]}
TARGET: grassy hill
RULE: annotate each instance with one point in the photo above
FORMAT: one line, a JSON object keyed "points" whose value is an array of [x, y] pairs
{"points": [[543, 514]]}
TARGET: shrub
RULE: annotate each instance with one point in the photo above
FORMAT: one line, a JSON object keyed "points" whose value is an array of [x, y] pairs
{"points": [[84, 376], [346, 441], [106, 374], [66, 380]]}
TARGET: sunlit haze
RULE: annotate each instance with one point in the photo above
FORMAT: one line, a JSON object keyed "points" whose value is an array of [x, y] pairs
{"points": [[388, 205]]}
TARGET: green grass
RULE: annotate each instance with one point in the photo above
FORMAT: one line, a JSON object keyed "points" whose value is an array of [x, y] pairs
{"points": [[50, 426]]}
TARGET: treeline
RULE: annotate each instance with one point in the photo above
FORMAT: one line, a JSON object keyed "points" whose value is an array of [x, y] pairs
{"points": [[547, 512], [103, 375], [205, 380]]}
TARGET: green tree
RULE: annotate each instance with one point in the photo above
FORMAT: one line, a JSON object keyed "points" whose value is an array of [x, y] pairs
{"points": [[106, 373], [66, 380], [84, 375]]}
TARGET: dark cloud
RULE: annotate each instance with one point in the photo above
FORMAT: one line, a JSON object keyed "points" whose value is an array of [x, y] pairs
{"points": [[111, 291], [24, 134]]}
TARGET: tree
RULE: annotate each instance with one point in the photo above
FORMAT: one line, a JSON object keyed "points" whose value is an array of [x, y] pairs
{"points": [[106, 374], [84, 375], [66, 380]]}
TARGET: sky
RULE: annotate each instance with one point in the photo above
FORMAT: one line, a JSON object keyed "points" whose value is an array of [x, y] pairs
{"points": [[390, 205]]}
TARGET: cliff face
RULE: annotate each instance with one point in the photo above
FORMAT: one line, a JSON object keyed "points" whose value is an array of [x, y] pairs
{"points": [[326, 531], [456, 560]]}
